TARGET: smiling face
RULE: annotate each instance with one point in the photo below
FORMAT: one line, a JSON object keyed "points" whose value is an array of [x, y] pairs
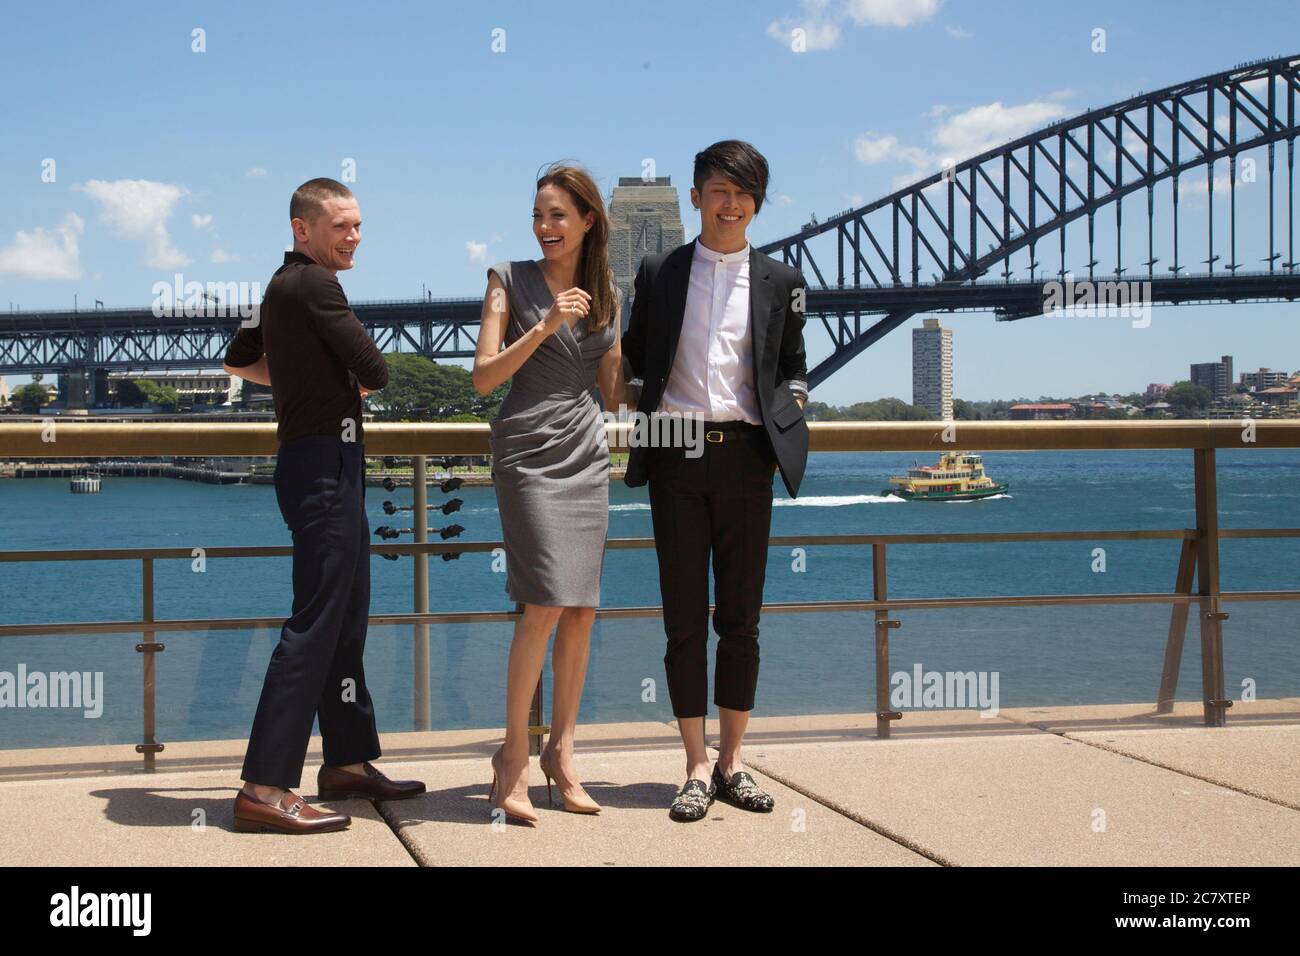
{"points": [[557, 224], [331, 237], [725, 213]]}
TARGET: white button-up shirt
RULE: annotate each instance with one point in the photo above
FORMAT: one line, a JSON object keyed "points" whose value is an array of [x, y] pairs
{"points": [[713, 371]]}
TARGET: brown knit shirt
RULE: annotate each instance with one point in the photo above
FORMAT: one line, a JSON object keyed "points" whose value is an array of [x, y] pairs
{"points": [[316, 350]]}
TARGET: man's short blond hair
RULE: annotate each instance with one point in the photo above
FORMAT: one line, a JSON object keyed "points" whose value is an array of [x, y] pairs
{"points": [[309, 199]]}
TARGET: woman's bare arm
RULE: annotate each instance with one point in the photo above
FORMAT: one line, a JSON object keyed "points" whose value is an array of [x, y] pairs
{"points": [[492, 366]]}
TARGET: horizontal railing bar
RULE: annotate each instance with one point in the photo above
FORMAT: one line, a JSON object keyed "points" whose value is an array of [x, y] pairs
{"points": [[70, 439], [776, 541], [490, 617]]}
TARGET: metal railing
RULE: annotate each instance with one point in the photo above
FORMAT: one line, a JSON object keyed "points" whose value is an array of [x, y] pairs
{"points": [[1196, 578]]}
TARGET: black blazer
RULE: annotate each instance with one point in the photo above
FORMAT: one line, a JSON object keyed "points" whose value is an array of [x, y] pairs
{"points": [[776, 331]]}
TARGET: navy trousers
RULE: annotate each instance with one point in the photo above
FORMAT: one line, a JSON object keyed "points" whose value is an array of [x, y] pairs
{"points": [[316, 668]]}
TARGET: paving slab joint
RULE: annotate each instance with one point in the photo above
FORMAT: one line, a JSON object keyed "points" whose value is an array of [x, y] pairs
{"points": [[394, 824], [857, 818], [1184, 772]]}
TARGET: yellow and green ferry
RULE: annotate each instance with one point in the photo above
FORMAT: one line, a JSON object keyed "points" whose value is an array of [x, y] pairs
{"points": [[959, 476]]}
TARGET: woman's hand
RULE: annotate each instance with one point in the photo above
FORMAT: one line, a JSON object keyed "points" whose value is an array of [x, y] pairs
{"points": [[574, 302]]}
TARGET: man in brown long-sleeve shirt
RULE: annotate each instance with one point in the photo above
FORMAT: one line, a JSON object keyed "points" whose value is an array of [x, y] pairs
{"points": [[320, 362]]}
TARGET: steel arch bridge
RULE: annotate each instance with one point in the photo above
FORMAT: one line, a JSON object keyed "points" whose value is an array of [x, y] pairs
{"points": [[130, 339], [872, 268]]}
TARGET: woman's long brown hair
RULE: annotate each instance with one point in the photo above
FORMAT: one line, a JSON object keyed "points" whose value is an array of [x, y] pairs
{"points": [[594, 274]]}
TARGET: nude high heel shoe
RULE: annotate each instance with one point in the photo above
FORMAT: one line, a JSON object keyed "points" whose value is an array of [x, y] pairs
{"points": [[515, 810], [579, 802]]}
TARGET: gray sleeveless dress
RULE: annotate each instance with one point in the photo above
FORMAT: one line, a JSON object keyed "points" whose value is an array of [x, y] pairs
{"points": [[550, 455]]}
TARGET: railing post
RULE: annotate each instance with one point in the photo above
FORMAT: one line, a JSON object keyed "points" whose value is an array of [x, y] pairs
{"points": [[148, 647], [883, 623], [422, 716], [537, 726], [1207, 587], [1177, 629]]}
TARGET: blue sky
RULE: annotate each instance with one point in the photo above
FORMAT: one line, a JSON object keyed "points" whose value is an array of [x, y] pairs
{"points": [[447, 137]]}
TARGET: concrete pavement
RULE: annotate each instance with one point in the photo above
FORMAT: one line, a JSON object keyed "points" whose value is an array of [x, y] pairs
{"points": [[1109, 785]]}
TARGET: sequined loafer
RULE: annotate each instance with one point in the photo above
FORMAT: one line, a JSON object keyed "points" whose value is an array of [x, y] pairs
{"points": [[741, 791], [692, 801]]}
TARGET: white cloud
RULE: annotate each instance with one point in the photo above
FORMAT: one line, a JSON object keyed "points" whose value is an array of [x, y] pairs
{"points": [[956, 137], [905, 179], [938, 186], [1258, 88], [983, 127], [892, 13], [255, 172], [958, 33], [139, 209], [820, 21], [819, 29], [46, 254], [1133, 144], [220, 256], [201, 222], [477, 251], [871, 150], [1195, 185]]}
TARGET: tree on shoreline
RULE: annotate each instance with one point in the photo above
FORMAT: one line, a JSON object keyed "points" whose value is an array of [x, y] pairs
{"points": [[881, 410], [1187, 400], [30, 396], [419, 389]]}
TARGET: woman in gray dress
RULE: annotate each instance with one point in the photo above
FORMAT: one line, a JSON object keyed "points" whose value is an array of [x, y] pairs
{"points": [[558, 320]]}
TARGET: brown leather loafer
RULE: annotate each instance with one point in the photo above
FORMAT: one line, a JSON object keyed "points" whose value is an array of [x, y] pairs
{"points": [[335, 784], [292, 815]]}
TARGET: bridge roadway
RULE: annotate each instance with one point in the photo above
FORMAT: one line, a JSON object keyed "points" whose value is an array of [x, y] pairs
{"points": [[448, 328]]}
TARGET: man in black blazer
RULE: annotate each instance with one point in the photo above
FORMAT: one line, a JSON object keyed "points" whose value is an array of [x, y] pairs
{"points": [[716, 335]]}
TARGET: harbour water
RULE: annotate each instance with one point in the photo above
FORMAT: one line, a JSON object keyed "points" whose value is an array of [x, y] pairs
{"points": [[208, 682]]}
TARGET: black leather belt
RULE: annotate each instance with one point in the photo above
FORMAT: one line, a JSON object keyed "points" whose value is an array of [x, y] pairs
{"points": [[717, 432]]}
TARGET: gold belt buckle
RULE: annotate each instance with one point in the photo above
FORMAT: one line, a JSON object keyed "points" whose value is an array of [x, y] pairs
{"points": [[708, 436]]}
